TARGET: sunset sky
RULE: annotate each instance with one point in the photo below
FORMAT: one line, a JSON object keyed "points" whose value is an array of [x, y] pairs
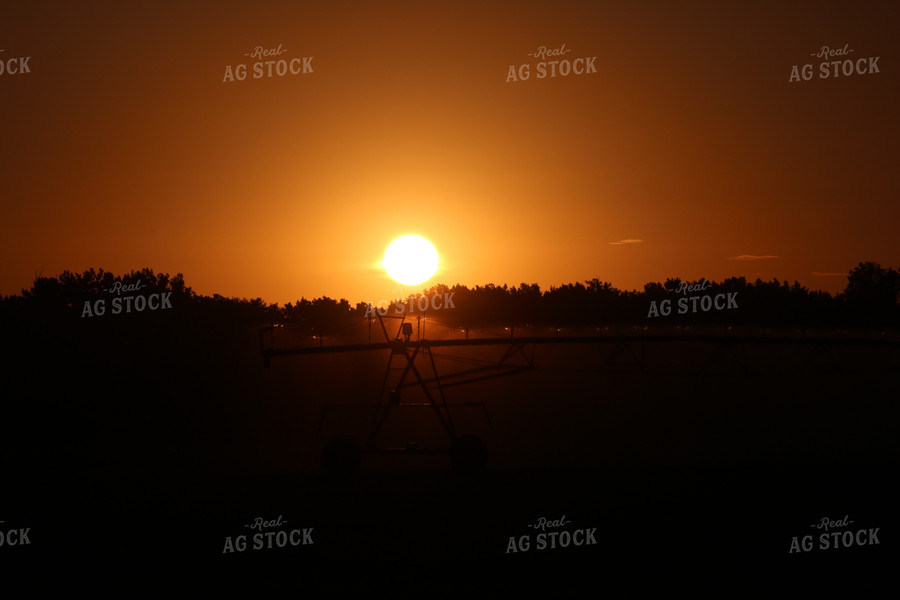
{"points": [[688, 153]]}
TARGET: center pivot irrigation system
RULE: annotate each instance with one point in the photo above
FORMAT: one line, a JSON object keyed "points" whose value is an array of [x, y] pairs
{"points": [[468, 454]]}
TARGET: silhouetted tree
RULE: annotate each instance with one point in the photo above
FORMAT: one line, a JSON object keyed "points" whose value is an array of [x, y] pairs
{"points": [[872, 294]]}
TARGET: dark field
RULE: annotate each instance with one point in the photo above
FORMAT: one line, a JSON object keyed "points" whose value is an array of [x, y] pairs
{"points": [[148, 455]]}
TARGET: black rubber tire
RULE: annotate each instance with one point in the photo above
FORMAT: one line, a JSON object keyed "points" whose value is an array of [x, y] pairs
{"points": [[468, 455], [341, 456]]}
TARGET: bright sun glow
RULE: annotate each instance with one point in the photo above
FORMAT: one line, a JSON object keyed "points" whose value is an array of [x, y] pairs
{"points": [[410, 260]]}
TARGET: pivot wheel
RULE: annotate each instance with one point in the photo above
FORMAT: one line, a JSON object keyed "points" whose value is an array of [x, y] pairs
{"points": [[341, 456], [468, 455]]}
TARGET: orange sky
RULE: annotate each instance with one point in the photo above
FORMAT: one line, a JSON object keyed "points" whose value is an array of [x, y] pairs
{"points": [[124, 148]]}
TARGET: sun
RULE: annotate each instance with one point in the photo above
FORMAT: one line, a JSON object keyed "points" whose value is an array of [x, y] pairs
{"points": [[410, 260]]}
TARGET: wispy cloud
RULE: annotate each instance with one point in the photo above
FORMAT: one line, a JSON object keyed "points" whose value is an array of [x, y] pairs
{"points": [[620, 242], [818, 274], [750, 257]]}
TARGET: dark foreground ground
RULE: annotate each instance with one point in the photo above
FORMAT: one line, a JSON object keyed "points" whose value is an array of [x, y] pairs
{"points": [[128, 472], [687, 529]]}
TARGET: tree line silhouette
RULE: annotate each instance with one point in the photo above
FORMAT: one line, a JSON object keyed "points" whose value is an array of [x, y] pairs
{"points": [[871, 299], [149, 393]]}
